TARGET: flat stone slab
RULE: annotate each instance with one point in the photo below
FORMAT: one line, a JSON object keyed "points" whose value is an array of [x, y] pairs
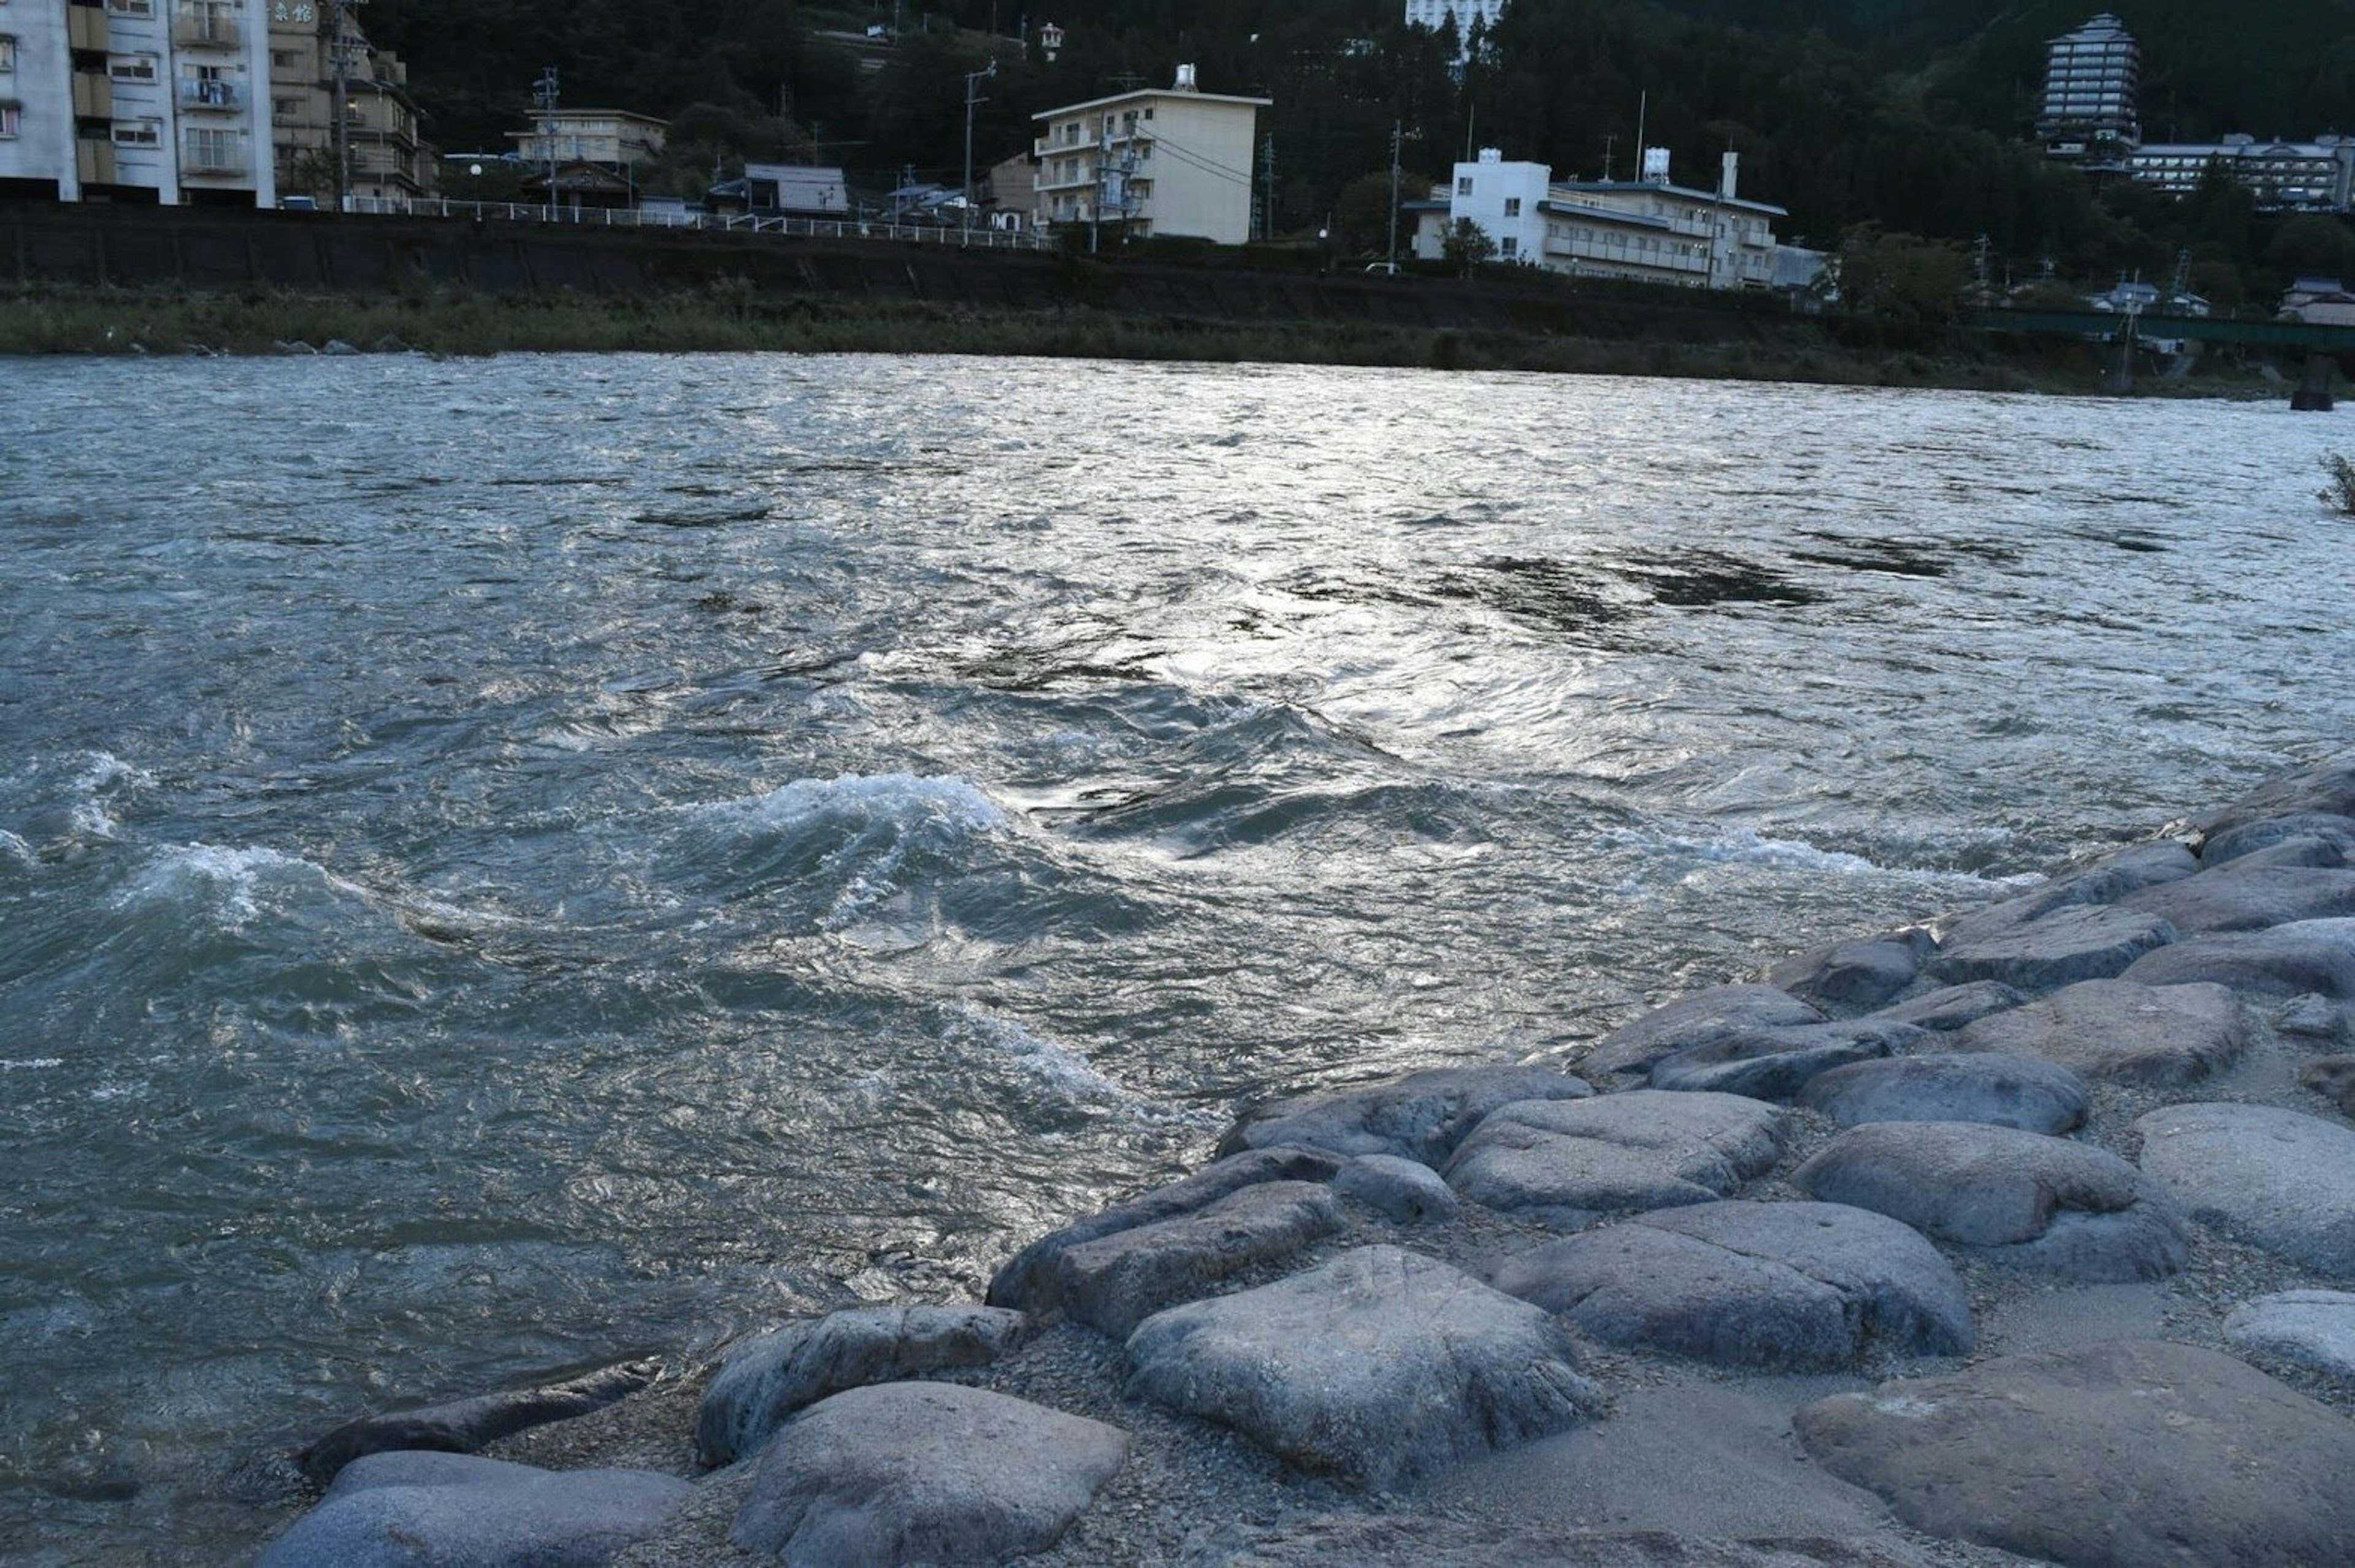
{"points": [[1420, 1117], [2327, 788], [2007, 1196], [923, 1473], [1117, 1282], [2310, 1329], [2131, 1453], [1951, 1007], [2001, 1091], [2335, 832], [1778, 1063], [2307, 956], [466, 1425], [2278, 1179], [2111, 878], [1405, 1190], [2122, 1029], [1413, 1541], [1628, 1054], [1031, 1280], [767, 1378], [1850, 976], [2075, 942], [1564, 1163], [413, 1505], [2241, 896], [1785, 1286], [1377, 1366]]}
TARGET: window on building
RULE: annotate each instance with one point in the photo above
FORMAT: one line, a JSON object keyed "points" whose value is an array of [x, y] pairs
{"points": [[7, 53], [130, 7], [138, 133], [8, 113], [1464, 185], [286, 109], [284, 60], [211, 149], [131, 68], [1509, 246], [1512, 207]]}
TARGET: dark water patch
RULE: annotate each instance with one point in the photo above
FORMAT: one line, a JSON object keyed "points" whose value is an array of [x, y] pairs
{"points": [[797, 664], [1703, 578], [719, 601], [1560, 596], [1900, 560], [1330, 587], [546, 481], [1024, 670], [719, 519], [292, 541]]}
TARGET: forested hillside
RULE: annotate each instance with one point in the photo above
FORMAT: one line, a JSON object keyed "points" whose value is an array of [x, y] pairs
{"points": [[1912, 115]]}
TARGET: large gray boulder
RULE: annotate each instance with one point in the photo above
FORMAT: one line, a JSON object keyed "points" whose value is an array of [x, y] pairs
{"points": [[1564, 1163], [2122, 1030], [2313, 1329], [1778, 1063], [1427, 1540], [1377, 1367], [2112, 877], [2127, 1454], [1031, 1280], [2278, 1179], [1789, 1286], [2075, 942], [2328, 788], [2007, 1196], [418, 1509], [2247, 896], [2337, 833], [1628, 1054], [767, 1378], [1405, 1190], [1117, 1282], [1952, 1087], [1844, 978], [465, 1425], [904, 1474], [1951, 1008], [1420, 1117], [2307, 956]]}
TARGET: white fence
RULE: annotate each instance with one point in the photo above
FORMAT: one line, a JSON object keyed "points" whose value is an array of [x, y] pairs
{"points": [[979, 237]]}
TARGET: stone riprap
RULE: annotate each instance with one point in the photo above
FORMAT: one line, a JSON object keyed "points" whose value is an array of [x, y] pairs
{"points": [[2314, 1329], [2166, 1035], [1420, 1117], [1257, 1327], [464, 1426], [2280, 1179], [2131, 1453], [1377, 1367], [412, 1506], [2007, 1196], [1777, 1285], [923, 1473], [2001, 1091], [1564, 1163], [768, 1378]]}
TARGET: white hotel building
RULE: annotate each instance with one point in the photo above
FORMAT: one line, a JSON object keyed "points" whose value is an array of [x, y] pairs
{"points": [[146, 100], [1172, 161]]}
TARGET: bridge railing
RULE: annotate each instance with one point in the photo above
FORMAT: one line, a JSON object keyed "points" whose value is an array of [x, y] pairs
{"points": [[980, 238]]}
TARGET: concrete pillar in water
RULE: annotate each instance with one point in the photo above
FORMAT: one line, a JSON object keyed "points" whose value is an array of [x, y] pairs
{"points": [[2313, 394]]}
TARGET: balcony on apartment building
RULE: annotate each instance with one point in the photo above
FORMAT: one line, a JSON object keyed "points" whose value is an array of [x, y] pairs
{"points": [[212, 155], [205, 93], [206, 27]]}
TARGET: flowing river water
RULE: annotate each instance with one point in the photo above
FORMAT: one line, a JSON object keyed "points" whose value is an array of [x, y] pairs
{"points": [[507, 863]]}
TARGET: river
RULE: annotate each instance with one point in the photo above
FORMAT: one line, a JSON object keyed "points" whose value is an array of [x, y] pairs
{"points": [[505, 863]]}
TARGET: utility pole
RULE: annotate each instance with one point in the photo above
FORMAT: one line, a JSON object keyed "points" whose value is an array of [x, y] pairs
{"points": [[543, 97], [1267, 201], [339, 67], [972, 81], [1397, 135], [1610, 139]]}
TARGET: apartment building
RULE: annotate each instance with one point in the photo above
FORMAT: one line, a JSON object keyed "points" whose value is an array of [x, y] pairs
{"points": [[384, 152], [1168, 161], [2092, 79], [1433, 14], [2314, 176], [152, 101], [1648, 230]]}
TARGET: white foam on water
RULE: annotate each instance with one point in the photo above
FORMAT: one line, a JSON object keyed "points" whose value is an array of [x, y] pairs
{"points": [[1066, 1071], [30, 1063], [1748, 847], [102, 772], [873, 822], [227, 883], [14, 849]]}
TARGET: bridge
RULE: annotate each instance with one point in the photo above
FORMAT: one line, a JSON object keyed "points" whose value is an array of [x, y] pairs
{"points": [[2323, 344]]}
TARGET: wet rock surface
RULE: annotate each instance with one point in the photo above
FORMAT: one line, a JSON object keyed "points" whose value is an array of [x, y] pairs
{"points": [[417, 1507], [1375, 1366], [2073, 943], [2007, 1196], [923, 1473], [1850, 976], [1778, 1063], [2001, 1091], [1420, 1117], [2127, 1454], [1628, 1055], [2315, 957], [1778, 1286], [2122, 1029], [1951, 1007], [1564, 1163], [1403, 1190], [463, 1426], [2249, 895], [2280, 1179], [1117, 1282]]}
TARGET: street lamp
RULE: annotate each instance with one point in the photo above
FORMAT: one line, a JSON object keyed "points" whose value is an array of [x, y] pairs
{"points": [[972, 81]]}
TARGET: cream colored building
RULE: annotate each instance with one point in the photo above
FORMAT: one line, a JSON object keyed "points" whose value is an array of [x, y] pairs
{"points": [[1171, 161], [386, 156], [614, 137]]}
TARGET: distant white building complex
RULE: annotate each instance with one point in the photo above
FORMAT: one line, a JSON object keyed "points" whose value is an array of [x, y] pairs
{"points": [[1648, 230], [143, 100], [2316, 175], [1433, 13], [1167, 161], [2093, 77]]}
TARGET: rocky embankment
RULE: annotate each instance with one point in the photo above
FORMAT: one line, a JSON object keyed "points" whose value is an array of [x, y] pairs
{"points": [[2028, 1235]]}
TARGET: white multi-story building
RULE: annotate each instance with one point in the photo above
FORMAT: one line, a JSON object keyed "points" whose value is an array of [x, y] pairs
{"points": [[152, 101], [2316, 175], [2091, 78], [1168, 161], [1433, 14], [1648, 230]]}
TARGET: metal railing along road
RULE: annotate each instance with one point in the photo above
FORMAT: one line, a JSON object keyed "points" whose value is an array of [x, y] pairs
{"points": [[980, 238]]}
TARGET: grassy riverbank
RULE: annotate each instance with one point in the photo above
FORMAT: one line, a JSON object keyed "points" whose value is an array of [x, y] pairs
{"points": [[730, 317]]}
